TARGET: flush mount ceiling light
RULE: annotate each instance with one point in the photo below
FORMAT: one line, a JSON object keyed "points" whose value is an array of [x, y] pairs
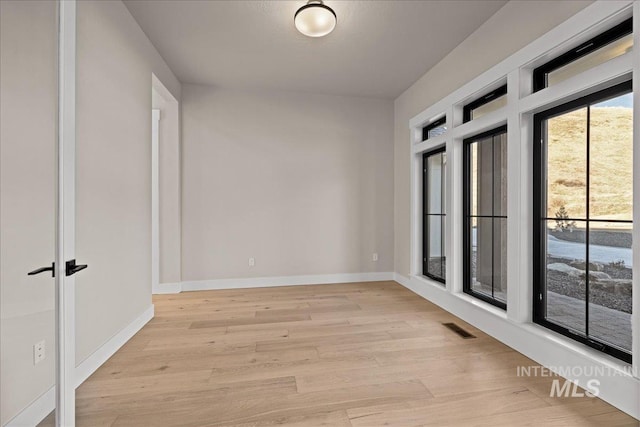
{"points": [[315, 19]]}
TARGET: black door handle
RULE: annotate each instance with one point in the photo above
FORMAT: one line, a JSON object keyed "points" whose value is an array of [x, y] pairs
{"points": [[73, 268], [52, 269]]}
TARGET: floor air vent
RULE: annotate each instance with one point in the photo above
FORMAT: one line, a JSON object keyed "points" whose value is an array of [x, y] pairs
{"points": [[458, 330]]}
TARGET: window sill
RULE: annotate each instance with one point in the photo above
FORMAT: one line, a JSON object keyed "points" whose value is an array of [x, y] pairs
{"points": [[482, 304], [622, 368], [429, 281]]}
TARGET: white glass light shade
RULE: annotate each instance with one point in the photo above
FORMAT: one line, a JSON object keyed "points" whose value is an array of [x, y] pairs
{"points": [[315, 19]]}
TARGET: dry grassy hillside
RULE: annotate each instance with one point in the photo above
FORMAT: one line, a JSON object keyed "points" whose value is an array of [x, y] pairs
{"points": [[611, 163]]}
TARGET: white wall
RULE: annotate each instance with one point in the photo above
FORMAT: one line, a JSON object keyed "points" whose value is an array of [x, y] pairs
{"points": [[115, 61], [514, 26], [301, 182]]}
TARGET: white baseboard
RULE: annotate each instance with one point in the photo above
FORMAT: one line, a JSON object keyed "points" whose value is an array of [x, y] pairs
{"points": [[42, 406], [540, 344], [36, 412], [262, 282], [89, 365], [167, 288]]}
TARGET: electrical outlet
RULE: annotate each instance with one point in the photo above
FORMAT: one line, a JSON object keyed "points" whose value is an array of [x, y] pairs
{"points": [[252, 262], [38, 352], [375, 257]]}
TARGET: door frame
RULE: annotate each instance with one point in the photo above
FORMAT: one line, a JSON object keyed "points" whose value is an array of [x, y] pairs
{"points": [[65, 215], [155, 201], [168, 111]]}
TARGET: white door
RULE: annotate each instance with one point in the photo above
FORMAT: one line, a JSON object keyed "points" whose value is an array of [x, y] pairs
{"points": [[37, 55], [66, 380]]}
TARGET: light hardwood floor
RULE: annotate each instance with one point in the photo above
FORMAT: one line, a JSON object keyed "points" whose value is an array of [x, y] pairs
{"points": [[360, 354]]}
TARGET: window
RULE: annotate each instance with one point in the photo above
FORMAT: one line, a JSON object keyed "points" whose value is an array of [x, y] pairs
{"points": [[437, 128], [485, 215], [486, 104], [583, 206], [434, 262], [600, 49]]}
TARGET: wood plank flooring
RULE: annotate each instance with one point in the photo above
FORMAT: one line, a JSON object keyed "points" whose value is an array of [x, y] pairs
{"points": [[360, 354]]}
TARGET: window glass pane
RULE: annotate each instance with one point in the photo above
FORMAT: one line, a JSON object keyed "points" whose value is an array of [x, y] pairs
{"points": [[489, 107], [500, 174], [611, 156], [500, 259], [444, 184], [565, 275], [473, 162], [600, 56], [567, 165], [444, 243], [434, 181], [437, 131], [487, 193], [482, 177], [434, 218], [588, 262], [482, 255], [434, 245], [610, 283]]}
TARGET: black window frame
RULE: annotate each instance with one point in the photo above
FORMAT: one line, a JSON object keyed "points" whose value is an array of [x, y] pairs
{"points": [[426, 215], [435, 124], [467, 110], [540, 216], [466, 214], [541, 73]]}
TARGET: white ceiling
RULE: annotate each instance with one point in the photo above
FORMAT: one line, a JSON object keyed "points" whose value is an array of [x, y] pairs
{"points": [[378, 49]]}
